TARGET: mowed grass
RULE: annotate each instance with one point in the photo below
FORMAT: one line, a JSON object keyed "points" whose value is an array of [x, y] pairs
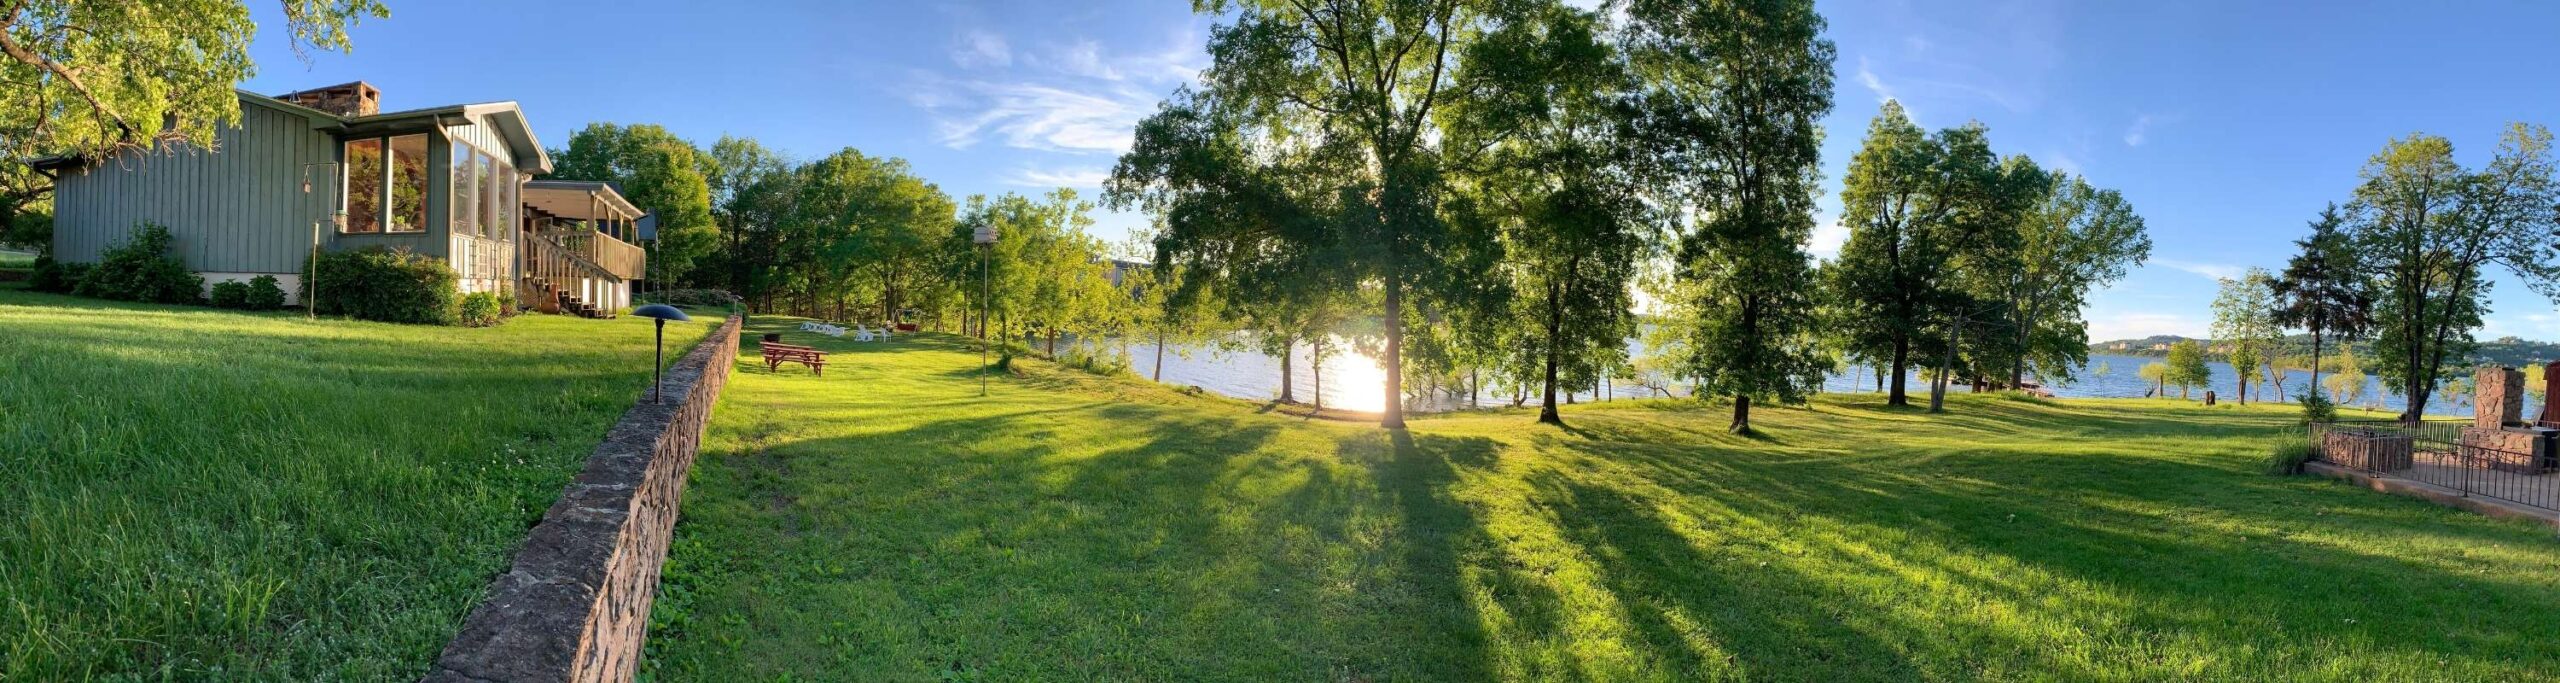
{"points": [[197, 494], [885, 523]]}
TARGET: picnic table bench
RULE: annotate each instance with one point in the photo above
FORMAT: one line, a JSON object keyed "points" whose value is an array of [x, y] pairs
{"points": [[776, 354]]}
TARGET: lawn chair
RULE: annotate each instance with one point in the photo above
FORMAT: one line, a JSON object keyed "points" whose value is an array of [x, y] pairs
{"points": [[861, 333]]}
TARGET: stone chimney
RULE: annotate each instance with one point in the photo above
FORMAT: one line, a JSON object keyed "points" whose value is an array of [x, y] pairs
{"points": [[2498, 397], [345, 99]]}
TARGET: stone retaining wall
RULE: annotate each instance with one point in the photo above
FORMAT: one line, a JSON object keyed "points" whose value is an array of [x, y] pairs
{"points": [[575, 605], [2367, 450]]}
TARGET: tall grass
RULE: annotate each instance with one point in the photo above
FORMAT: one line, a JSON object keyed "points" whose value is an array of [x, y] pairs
{"points": [[194, 493]]}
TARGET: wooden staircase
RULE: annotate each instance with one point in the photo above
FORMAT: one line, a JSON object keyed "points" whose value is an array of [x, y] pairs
{"points": [[551, 276]]}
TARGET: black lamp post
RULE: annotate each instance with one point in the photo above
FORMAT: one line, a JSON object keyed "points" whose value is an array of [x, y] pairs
{"points": [[662, 313]]}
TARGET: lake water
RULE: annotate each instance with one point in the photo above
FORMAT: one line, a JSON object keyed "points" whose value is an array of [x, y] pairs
{"points": [[1355, 382]]}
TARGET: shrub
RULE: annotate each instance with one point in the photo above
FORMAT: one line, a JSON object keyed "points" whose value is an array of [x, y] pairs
{"points": [[483, 309], [389, 285], [265, 294], [231, 294], [56, 276], [2317, 408], [140, 269], [2289, 455]]}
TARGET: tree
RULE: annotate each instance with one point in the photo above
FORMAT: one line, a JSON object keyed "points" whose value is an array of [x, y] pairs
{"points": [[2348, 385], [1981, 240], [2075, 239], [1549, 179], [1735, 97], [1905, 203], [2321, 290], [2427, 230], [660, 173], [2187, 367], [92, 79], [751, 196], [2244, 319], [2157, 373]]}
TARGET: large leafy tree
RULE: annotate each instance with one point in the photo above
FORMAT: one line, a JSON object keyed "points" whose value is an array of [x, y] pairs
{"points": [[2321, 290], [1992, 195], [91, 78], [2076, 239], [660, 173], [1554, 178], [1735, 98], [95, 77], [862, 226], [2428, 230], [2244, 321], [751, 197], [1886, 281], [1361, 79]]}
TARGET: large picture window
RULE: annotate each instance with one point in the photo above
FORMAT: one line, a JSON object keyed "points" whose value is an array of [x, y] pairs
{"points": [[364, 186], [409, 183], [466, 190], [493, 195]]}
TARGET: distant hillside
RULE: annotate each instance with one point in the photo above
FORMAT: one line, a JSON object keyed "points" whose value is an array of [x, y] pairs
{"points": [[2508, 351]]}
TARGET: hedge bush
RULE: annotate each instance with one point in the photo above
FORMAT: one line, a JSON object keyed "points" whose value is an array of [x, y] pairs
{"points": [[56, 276], [389, 285], [140, 269], [694, 298], [265, 294], [484, 309], [230, 294]]}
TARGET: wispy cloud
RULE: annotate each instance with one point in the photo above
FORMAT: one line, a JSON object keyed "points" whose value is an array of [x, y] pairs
{"points": [[2210, 271], [1075, 97], [1082, 177], [2138, 132], [1875, 84], [978, 49]]}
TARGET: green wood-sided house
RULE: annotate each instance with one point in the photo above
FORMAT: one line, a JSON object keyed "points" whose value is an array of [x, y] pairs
{"points": [[325, 169]]}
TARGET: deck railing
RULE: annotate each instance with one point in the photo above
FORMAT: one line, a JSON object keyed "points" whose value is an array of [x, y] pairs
{"points": [[551, 270], [616, 257], [2438, 453]]}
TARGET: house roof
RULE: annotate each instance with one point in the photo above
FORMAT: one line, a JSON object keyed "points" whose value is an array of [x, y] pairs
{"points": [[579, 199], [505, 117]]}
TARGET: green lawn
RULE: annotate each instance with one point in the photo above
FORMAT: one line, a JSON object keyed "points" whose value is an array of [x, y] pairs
{"points": [[885, 523], [190, 493], [17, 260]]}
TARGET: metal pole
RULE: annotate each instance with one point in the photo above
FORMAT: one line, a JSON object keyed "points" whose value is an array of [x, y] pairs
{"points": [[660, 365]]}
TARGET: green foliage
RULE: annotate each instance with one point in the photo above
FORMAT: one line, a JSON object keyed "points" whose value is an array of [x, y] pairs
{"points": [[2187, 368], [483, 309], [2316, 407], [94, 78], [58, 277], [376, 283], [690, 298], [2244, 318], [2347, 386], [660, 173], [2075, 239], [264, 294], [2290, 453], [139, 268], [2427, 230], [866, 227], [230, 294], [2157, 373]]}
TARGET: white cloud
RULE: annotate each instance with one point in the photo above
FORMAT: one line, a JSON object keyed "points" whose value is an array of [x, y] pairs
{"points": [[1083, 177], [2140, 131], [2210, 271], [1867, 77], [977, 48], [1827, 239], [1075, 98]]}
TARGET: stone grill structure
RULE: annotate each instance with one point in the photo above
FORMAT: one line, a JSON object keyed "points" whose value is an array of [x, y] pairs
{"points": [[575, 604], [2498, 438]]}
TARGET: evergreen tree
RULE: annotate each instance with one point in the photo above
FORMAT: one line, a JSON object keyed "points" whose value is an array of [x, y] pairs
{"points": [[2321, 290]]}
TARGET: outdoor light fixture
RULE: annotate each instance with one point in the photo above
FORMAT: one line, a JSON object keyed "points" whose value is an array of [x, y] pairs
{"points": [[662, 313], [985, 238]]}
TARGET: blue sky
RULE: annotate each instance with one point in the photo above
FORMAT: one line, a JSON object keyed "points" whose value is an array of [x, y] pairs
{"points": [[2228, 125]]}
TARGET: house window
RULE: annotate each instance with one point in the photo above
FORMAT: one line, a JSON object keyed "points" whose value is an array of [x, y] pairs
{"points": [[364, 186], [496, 196], [409, 183], [466, 190], [508, 202]]}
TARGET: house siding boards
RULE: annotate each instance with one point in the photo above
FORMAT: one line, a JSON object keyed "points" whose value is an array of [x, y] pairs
{"points": [[235, 210]]}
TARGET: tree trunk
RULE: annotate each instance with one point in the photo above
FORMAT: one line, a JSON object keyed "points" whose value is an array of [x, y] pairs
{"points": [[1393, 416], [1555, 321], [2315, 364], [1901, 366], [1946, 373], [1159, 373], [1315, 366], [1741, 415], [1287, 349]]}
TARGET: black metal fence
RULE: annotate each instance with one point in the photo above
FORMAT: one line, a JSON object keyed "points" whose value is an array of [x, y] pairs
{"points": [[2510, 465]]}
